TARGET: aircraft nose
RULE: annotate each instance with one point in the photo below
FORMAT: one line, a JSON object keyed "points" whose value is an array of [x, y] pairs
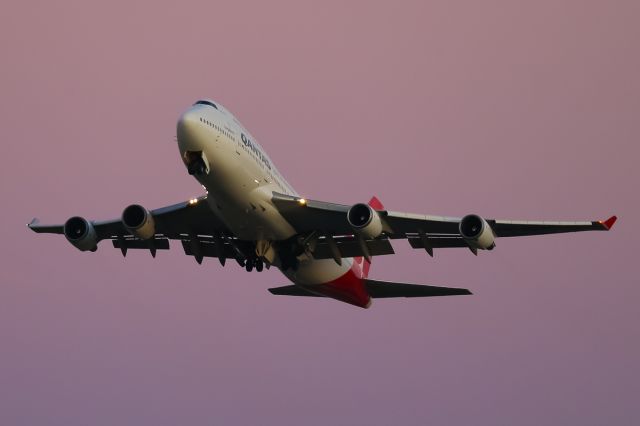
{"points": [[191, 143], [188, 128]]}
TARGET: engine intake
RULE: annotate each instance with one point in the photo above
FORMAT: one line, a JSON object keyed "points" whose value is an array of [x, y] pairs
{"points": [[81, 234], [477, 232], [137, 220], [364, 220]]}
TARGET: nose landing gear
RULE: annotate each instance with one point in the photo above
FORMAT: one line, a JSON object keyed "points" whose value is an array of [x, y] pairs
{"points": [[196, 163], [197, 167]]}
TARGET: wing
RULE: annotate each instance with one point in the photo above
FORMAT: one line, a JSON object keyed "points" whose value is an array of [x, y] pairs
{"points": [[201, 232], [337, 239]]}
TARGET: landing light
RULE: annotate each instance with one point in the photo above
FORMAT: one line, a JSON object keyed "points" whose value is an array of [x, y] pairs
{"points": [[302, 201], [193, 201]]}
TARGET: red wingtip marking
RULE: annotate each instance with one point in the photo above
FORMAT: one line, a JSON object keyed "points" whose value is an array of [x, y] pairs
{"points": [[609, 222], [375, 203]]}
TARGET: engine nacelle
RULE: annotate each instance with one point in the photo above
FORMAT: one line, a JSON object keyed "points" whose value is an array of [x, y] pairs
{"points": [[81, 233], [477, 232], [137, 220], [364, 220]]}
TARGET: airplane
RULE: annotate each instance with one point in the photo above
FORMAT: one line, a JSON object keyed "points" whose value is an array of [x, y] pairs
{"points": [[251, 214]]}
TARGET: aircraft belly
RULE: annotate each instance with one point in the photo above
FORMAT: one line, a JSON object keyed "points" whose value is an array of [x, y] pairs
{"points": [[327, 278], [320, 271], [243, 204]]}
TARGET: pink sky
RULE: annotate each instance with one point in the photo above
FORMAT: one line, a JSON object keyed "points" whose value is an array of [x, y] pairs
{"points": [[508, 110]]}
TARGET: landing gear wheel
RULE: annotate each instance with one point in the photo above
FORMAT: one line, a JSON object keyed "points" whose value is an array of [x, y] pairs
{"points": [[259, 265], [249, 265], [197, 167]]}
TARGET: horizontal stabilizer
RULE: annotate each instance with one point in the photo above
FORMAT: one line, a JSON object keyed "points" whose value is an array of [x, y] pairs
{"points": [[382, 289], [291, 290]]}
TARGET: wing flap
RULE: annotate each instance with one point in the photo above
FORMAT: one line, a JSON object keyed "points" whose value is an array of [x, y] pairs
{"points": [[437, 242], [208, 249], [136, 243], [409, 223], [350, 247]]}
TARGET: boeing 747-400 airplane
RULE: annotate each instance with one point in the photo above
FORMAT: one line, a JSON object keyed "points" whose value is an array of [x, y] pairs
{"points": [[250, 214]]}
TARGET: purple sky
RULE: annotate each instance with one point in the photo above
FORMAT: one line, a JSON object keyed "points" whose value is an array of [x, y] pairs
{"points": [[509, 111]]}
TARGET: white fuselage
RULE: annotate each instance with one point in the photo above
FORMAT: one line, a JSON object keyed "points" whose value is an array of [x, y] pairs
{"points": [[240, 181]]}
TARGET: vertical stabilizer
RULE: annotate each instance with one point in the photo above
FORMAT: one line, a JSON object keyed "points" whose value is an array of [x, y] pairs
{"points": [[364, 264]]}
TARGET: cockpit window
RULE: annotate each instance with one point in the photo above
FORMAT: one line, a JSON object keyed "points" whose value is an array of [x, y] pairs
{"points": [[206, 103]]}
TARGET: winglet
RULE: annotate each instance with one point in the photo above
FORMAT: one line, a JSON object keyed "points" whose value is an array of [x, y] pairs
{"points": [[608, 224], [33, 222]]}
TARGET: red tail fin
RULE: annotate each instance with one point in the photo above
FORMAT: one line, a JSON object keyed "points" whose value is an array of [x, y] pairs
{"points": [[376, 205]]}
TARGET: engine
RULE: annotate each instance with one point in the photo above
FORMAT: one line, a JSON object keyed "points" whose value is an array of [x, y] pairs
{"points": [[364, 220], [477, 232], [81, 234], [137, 220]]}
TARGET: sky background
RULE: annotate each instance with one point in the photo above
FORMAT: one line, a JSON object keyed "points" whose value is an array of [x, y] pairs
{"points": [[508, 109]]}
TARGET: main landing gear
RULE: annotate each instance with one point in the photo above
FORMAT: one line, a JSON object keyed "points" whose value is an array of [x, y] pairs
{"points": [[250, 264]]}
